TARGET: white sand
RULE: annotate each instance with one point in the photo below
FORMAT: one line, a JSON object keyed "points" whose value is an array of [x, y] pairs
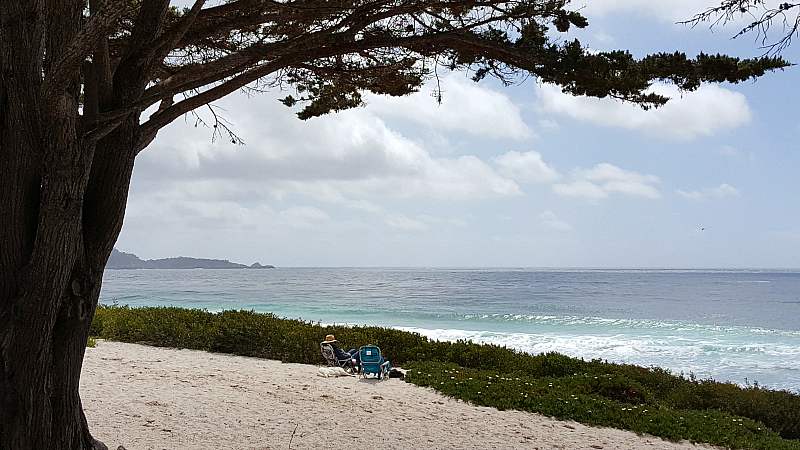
{"points": [[147, 398]]}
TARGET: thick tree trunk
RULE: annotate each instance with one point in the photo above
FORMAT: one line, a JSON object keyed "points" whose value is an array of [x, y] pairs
{"points": [[60, 219], [59, 239], [62, 202]]}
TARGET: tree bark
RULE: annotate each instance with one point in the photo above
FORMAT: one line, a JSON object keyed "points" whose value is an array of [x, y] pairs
{"points": [[59, 230], [62, 202]]}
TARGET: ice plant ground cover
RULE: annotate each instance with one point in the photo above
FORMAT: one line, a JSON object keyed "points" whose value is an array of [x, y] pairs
{"points": [[605, 400]]}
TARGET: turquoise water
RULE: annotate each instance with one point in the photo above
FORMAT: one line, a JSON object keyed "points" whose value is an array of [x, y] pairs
{"points": [[736, 325]]}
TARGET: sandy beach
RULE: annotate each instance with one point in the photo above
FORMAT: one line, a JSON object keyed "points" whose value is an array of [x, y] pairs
{"points": [[148, 398]]}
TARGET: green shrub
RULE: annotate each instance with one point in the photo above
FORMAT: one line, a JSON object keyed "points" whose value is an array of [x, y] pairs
{"points": [[161, 326], [580, 397], [779, 410]]}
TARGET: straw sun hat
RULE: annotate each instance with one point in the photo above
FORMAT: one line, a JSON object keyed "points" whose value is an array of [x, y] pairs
{"points": [[329, 339]]}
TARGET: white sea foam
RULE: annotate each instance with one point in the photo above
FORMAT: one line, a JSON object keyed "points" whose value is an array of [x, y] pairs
{"points": [[774, 364]]}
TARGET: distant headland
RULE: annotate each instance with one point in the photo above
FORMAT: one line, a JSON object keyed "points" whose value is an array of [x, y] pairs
{"points": [[122, 260]]}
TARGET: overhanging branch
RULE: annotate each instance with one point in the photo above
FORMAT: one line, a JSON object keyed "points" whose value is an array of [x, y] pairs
{"points": [[163, 117]]}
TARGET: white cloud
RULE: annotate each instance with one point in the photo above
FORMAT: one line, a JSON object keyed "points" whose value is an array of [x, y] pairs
{"points": [[671, 11], [686, 116], [548, 124], [457, 223], [363, 205], [723, 191], [694, 195], [550, 219], [727, 150], [603, 38], [466, 107], [580, 188], [272, 186], [528, 167], [306, 217], [604, 179], [343, 158], [403, 222]]}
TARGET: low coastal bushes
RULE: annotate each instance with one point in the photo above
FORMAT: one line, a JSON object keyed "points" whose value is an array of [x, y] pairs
{"points": [[244, 333], [605, 399], [644, 400]]}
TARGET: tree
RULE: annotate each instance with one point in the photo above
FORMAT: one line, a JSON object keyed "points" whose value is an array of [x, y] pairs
{"points": [[761, 17], [75, 79]]}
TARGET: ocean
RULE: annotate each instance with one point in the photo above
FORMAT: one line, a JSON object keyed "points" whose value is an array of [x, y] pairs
{"points": [[730, 325]]}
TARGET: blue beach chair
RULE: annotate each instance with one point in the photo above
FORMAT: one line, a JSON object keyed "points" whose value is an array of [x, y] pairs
{"points": [[372, 362]]}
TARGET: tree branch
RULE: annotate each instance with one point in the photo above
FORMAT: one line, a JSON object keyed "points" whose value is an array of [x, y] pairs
{"points": [[197, 76], [728, 10], [219, 20], [164, 117], [133, 71], [103, 130], [166, 42], [100, 25]]}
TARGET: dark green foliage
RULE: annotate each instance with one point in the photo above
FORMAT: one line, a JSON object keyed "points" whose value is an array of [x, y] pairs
{"points": [[779, 409], [244, 333], [163, 327], [390, 49], [645, 400], [582, 397], [262, 335]]}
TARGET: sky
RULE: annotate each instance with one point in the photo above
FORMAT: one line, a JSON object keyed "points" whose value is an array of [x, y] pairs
{"points": [[494, 176]]}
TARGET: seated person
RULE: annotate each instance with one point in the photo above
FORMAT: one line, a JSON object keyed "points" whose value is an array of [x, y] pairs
{"points": [[341, 354]]}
